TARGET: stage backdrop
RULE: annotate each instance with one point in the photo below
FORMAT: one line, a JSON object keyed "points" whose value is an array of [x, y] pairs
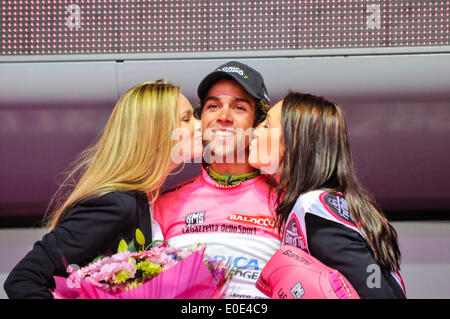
{"points": [[64, 64]]}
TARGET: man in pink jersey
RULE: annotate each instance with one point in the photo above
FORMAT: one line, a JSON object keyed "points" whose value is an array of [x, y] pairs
{"points": [[227, 207]]}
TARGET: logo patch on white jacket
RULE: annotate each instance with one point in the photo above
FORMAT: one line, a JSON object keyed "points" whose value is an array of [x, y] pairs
{"points": [[293, 234], [337, 205]]}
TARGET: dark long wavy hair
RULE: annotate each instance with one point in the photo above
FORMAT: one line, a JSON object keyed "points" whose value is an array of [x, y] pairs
{"points": [[317, 156]]}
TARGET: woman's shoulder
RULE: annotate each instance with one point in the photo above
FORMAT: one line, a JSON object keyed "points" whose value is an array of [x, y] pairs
{"points": [[325, 204], [122, 198], [120, 204]]}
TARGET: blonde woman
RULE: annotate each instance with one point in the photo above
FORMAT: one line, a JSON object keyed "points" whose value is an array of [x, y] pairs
{"points": [[119, 176]]}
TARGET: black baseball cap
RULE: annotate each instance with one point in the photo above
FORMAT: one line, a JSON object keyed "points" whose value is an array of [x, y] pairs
{"points": [[250, 79]]}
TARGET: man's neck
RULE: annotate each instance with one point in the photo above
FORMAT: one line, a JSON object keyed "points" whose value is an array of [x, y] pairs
{"points": [[232, 168]]}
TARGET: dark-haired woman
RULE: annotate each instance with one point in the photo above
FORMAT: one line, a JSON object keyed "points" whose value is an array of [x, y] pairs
{"points": [[321, 206]]}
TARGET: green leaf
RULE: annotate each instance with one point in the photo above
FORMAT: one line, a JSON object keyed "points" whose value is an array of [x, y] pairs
{"points": [[140, 237], [122, 246], [132, 247], [98, 258], [157, 241]]}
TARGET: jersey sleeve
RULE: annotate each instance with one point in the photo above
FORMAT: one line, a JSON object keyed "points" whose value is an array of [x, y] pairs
{"points": [[345, 250]]}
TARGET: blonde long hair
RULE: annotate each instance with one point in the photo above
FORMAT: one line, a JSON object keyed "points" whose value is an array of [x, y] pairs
{"points": [[133, 152]]}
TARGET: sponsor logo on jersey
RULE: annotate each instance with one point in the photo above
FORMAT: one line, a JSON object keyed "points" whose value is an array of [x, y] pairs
{"points": [[297, 291], [238, 262], [242, 267], [195, 218], [263, 221], [214, 228], [289, 253], [227, 186], [177, 187]]}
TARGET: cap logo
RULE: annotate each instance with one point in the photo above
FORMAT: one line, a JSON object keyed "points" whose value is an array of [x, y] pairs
{"points": [[233, 69]]}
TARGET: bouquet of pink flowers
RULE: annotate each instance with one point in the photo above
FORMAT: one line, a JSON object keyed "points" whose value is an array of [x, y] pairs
{"points": [[156, 273]]}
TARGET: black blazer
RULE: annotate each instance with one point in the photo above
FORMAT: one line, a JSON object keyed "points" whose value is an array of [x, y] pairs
{"points": [[92, 227], [345, 250]]}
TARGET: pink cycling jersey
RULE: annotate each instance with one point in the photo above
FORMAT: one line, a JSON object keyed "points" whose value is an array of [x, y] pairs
{"points": [[235, 222]]}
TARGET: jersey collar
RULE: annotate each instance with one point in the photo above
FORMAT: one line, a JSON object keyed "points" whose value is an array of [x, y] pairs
{"points": [[214, 179]]}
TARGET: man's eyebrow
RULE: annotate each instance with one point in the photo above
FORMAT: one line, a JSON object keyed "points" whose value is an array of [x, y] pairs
{"points": [[242, 100]]}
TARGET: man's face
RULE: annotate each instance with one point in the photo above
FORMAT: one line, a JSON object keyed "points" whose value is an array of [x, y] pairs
{"points": [[227, 121]]}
